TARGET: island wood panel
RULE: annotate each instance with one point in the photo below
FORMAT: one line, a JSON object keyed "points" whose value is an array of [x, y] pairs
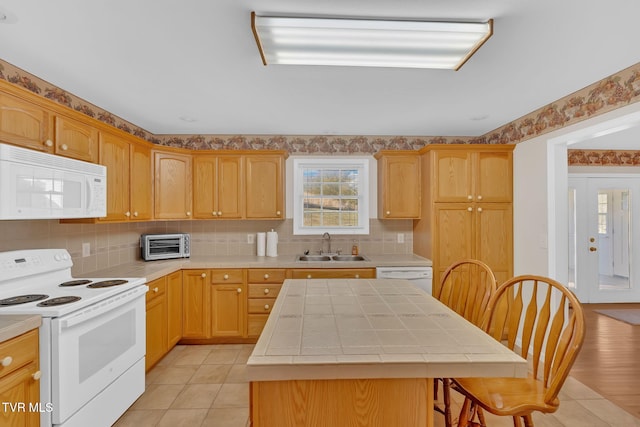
{"points": [[395, 402]]}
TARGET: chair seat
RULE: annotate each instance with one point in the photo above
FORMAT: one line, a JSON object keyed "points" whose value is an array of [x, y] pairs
{"points": [[508, 396]]}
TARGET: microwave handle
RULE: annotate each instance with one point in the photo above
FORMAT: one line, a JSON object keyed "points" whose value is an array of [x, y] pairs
{"points": [[89, 198]]}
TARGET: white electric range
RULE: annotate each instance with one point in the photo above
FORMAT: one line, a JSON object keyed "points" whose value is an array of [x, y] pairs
{"points": [[92, 338]]}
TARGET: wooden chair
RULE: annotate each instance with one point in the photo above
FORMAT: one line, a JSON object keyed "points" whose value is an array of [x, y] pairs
{"points": [[466, 288], [536, 317]]}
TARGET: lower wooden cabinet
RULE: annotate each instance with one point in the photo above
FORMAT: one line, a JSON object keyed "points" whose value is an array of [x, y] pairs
{"points": [[333, 273], [196, 309], [228, 303], [164, 316], [19, 380], [263, 286]]}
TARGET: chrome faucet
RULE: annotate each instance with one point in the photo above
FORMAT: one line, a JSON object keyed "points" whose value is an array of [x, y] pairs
{"points": [[326, 237]]}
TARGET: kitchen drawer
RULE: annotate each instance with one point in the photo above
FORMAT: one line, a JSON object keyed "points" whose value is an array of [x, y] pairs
{"points": [[157, 288], [261, 305], [267, 276], [255, 324], [227, 276], [18, 352], [334, 273], [264, 291]]}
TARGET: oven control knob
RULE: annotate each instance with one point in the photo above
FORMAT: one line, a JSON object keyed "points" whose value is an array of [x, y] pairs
{"points": [[36, 375], [7, 361]]}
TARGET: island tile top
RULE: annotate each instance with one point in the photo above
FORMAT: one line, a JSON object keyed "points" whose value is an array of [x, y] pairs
{"points": [[372, 328]]}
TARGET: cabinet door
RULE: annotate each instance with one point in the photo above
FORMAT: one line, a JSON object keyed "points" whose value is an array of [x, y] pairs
{"points": [[264, 195], [174, 308], [453, 237], [20, 388], [172, 195], [204, 180], [196, 314], [399, 189], [493, 177], [494, 237], [114, 154], [453, 176], [141, 183], [228, 304], [229, 187], [76, 140], [25, 124], [156, 326]]}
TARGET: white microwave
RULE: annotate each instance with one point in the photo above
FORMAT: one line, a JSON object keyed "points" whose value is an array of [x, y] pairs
{"points": [[35, 185]]}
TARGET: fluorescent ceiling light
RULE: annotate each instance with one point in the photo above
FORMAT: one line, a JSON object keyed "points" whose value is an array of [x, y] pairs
{"points": [[367, 43]]}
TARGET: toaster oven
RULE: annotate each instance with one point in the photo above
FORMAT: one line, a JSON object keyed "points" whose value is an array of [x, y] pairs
{"points": [[165, 246]]}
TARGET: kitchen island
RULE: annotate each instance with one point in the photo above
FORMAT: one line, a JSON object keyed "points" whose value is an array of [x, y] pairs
{"points": [[363, 352]]}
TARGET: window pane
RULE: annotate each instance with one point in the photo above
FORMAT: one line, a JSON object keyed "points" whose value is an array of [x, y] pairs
{"points": [[312, 189], [330, 175], [330, 189], [349, 204]]}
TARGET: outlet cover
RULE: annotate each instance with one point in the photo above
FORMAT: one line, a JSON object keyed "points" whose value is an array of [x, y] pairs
{"points": [[86, 249], [251, 238], [400, 237]]}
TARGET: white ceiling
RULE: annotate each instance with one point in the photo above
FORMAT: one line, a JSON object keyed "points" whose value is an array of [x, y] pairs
{"points": [[154, 61]]}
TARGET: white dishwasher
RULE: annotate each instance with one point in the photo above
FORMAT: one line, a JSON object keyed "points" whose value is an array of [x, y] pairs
{"points": [[419, 276]]}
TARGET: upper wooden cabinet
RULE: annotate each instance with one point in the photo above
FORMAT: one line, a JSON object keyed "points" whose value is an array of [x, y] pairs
{"points": [[217, 186], [26, 124], [470, 174], [399, 187], [141, 182], [172, 193], [75, 139], [264, 193], [114, 154]]}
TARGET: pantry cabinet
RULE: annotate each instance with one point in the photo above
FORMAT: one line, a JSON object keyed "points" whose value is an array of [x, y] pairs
{"points": [[20, 380], [467, 209], [399, 186], [196, 304], [173, 184], [264, 190], [263, 289], [218, 185], [26, 124], [228, 303]]}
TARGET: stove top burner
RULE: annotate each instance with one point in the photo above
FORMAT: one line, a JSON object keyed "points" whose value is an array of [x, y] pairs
{"points": [[78, 282], [22, 299], [58, 301], [107, 283]]}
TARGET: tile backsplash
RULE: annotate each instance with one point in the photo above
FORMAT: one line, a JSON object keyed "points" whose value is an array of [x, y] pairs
{"points": [[115, 244]]}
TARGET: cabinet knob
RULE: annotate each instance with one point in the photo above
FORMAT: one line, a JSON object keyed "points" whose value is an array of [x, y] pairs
{"points": [[479, 197], [127, 214], [308, 276], [469, 197], [470, 209], [188, 213], [214, 213], [64, 147], [7, 361], [278, 213], [266, 276], [388, 212], [225, 277], [266, 291], [48, 143], [479, 209], [357, 276], [219, 213], [239, 290], [266, 306], [135, 214], [155, 289], [36, 375], [203, 275]]}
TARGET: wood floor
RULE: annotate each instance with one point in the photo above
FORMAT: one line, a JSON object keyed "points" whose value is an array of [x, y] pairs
{"points": [[609, 362]]}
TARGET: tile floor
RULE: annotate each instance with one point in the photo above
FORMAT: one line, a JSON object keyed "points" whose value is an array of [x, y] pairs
{"points": [[206, 386]]}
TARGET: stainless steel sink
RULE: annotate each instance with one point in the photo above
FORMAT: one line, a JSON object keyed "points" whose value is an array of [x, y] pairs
{"points": [[348, 258], [338, 258], [314, 258]]}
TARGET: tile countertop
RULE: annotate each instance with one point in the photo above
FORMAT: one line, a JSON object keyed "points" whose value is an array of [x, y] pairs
{"points": [[13, 325], [155, 269], [372, 328]]}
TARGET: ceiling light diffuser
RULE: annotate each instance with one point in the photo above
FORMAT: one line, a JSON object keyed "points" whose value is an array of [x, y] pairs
{"points": [[367, 42]]}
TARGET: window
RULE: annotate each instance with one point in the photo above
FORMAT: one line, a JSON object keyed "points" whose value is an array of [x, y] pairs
{"points": [[603, 202], [330, 195]]}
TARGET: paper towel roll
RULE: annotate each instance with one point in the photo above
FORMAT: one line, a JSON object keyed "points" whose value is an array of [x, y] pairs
{"points": [[272, 243], [261, 242]]}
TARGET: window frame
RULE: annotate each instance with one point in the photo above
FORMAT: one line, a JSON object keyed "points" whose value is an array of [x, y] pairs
{"points": [[362, 164]]}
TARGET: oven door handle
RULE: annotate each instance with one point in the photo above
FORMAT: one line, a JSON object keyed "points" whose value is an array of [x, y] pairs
{"points": [[103, 307]]}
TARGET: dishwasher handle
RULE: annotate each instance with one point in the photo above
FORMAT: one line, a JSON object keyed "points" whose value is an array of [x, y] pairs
{"points": [[408, 275]]}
